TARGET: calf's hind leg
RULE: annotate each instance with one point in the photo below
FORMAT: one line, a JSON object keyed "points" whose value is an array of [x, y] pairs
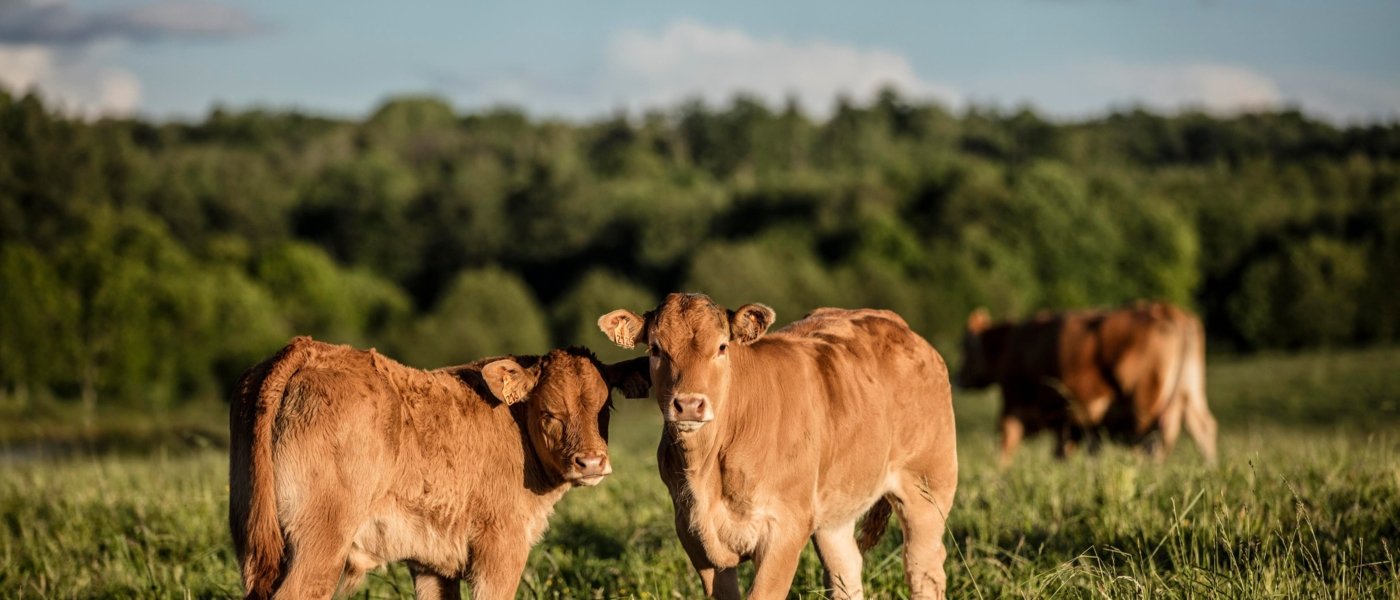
{"points": [[922, 504], [431, 586], [1012, 429], [1170, 425], [318, 544], [1201, 425], [841, 559]]}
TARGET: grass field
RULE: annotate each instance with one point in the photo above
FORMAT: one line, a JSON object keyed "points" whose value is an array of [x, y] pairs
{"points": [[1305, 504]]}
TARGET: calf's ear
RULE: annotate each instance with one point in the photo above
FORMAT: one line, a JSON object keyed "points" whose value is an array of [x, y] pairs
{"points": [[622, 326], [750, 322], [508, 380], [979, 320], [631, 377]]}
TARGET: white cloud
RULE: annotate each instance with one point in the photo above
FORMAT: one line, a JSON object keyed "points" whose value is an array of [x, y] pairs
{"points": [[80, 81], [69, 54], [1219, 88], [1344, 98], [658, 69], [1090, 88], [690, 59], [21, 67]]}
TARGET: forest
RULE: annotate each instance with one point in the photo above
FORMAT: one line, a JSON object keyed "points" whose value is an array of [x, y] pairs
{"points": [[145, 264]]}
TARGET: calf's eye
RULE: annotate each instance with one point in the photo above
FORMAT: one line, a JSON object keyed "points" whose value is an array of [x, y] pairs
{"points": [[723, 347]]}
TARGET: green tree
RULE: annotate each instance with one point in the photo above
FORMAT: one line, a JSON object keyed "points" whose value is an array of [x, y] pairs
{"points": [[485, 312], [1305, 296], [139, 314], [409, 120], [245, 324], [360, 211], [1380, 312], [38, 317], [575, 314], [669, 219], [322, 299], [778, 269]]}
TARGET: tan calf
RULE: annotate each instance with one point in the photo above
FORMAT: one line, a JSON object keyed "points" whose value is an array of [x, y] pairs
{"points": [[773, 439], [343, 460], [1127, 372]]}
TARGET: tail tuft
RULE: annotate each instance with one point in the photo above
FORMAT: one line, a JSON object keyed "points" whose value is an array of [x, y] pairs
{"points": [[872, 525]]}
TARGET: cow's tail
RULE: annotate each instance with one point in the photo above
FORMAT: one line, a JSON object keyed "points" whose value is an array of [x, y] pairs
{"points": [[872, 525], [1185, 334], [253, 506], [1199, 422]]}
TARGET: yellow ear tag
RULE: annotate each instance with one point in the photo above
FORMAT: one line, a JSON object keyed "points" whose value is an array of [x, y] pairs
{"points": [[621, 333], [515, 391]]}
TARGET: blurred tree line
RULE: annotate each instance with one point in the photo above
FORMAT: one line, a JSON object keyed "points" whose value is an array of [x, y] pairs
{"points": [[145, 263]]}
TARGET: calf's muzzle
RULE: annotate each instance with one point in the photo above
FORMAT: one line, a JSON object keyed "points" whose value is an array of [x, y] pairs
{"points": [[690, 410], [588, 468]]}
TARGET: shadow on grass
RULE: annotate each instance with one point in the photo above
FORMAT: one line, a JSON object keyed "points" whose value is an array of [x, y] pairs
{"points": [[118, 442], [588, 538]]}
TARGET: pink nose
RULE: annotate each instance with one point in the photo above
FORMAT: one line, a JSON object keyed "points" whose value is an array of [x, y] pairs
{"points": [[591, 464], [690, 407]]}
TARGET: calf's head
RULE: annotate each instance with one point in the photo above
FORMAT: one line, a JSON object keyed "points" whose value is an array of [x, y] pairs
{"points": [[976, 369], [690, 341], [567, 405]]}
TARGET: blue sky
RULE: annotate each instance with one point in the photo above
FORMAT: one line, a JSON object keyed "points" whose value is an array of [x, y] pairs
{"points": [[1068, 58]]}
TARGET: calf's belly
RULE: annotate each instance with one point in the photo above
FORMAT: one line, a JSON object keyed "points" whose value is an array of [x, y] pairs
{"points": [[864, 471], [393, 537], [847, 506]]}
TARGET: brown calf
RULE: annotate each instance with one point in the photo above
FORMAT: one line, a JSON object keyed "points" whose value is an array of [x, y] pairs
{"points": [[1128, 373], [343, 460], [771, 440]]}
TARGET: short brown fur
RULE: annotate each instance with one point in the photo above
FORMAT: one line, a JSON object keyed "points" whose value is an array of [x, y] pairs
{"points": [[343, 460], [1128, 373], [841, 414]]}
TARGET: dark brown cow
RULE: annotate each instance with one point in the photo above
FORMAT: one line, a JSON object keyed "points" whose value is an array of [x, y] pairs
{"points": [[343, 460], [773, 439], [1127, 373]]}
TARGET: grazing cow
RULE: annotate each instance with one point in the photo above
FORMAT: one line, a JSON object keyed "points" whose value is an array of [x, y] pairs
{"points": [[770, 440], [343, 460], [1127, 372]]}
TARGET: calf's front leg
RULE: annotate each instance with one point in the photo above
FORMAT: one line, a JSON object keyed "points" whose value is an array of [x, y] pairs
{"points": [[496, 568], [720, 583], [776, 564]]}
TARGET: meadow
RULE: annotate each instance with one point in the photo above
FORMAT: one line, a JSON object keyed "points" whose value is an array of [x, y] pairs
{"points": [[1305, 503]]}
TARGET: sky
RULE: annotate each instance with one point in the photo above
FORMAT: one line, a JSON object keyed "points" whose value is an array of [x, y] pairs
{"points": [[1069, 59]]}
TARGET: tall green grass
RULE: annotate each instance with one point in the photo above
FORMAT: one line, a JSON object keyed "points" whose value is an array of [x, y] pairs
{"points": [[1304, 504]]}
